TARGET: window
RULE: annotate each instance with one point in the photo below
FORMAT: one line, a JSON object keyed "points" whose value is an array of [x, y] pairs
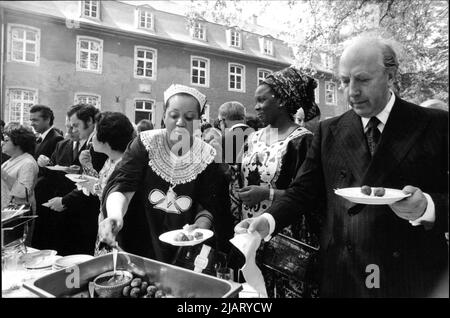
{"points": [[330, 93], [87, 98], [327, 61], [198, 31], [236, 77], [24, 43], [234, 38], [19, 102], [262, 73], [89, 54], [90, 9], [145, 62], [199, 71], [145, 20], [266, 46], [144, 109], [317, 92]]}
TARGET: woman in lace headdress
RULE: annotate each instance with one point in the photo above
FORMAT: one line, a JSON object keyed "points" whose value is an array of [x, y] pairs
{"points": [[171, 171]]}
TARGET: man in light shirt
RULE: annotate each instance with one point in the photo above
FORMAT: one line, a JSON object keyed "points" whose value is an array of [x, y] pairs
{"points": [[396, 250]]}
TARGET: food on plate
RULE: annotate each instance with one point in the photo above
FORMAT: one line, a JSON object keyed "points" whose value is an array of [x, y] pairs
{"points": [[182, 237], [379, 192], [366, 190]]}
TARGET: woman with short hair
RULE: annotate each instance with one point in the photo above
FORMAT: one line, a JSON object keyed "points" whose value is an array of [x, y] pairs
{"points": [[19, 172]]}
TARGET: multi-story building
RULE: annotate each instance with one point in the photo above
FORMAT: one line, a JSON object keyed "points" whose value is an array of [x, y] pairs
{"points": [[121, 57]]}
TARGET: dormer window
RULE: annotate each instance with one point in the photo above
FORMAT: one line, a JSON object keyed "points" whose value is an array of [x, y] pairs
{"points": [[198, 31], [234, 38], [145, 19], [90, 9], [266, 46]]}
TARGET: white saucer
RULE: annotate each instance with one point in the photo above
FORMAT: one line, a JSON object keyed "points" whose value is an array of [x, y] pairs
{"points": [[355, 195], [169, 237]]}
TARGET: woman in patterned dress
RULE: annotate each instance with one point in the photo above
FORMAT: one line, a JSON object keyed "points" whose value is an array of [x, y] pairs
{"points": [[273, 155], [172, 172]]}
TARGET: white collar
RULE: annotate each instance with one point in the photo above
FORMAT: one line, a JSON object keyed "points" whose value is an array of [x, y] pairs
{"points": [[238, 125], [45, 133], [383, 115]]}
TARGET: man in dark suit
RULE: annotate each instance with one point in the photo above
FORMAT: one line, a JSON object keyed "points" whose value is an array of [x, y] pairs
{"points": [[396, 250], [42, 118], [49, 232], [234, 130], [80, 212]]}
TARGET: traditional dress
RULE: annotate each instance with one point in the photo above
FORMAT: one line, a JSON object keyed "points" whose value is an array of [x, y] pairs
{"points": [[168, 189], [274, 165]]}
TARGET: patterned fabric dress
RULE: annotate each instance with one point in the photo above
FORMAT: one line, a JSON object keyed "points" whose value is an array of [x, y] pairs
{"points": [[274, 164]]}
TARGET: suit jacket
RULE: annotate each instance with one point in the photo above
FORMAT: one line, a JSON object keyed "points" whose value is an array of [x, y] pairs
{"points": [[74, 230], [48, 145], [355, 239]]}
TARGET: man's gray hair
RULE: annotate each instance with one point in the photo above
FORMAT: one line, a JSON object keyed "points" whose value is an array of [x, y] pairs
{"points": [[390, 49], [232, 111]]}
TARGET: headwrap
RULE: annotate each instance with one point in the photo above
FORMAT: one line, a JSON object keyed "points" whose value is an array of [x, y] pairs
{"points": [[177, 88], [296, 90]]}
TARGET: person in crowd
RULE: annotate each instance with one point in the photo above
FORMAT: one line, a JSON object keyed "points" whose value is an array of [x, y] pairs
{"points": [[42, 118], [170, 170], [144, 125], [389, 250], [273, 154], [80, 212], [3, 156], [436, 104], [113, 132], [299, 118], [19, 172], [50, 232]]}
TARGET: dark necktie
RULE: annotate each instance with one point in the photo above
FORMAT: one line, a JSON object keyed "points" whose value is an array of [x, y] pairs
{"points": [[75, 151], [373, 134], [38, 140]]}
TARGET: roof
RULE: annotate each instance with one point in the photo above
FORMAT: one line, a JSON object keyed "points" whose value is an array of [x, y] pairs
{"points": [[168, 26]]}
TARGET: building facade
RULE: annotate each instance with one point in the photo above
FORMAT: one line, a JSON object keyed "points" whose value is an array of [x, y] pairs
{"points": [[121, 57]]}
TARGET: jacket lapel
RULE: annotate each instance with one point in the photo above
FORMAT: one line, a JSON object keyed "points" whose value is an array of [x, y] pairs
{"points": [[402, 129], [351, 141]]}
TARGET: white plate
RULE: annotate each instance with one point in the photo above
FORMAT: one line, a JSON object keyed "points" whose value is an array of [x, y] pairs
{"points": [[80, 178], [75, 177], [355, 195], [58, 168], [169, 237], [39, 260], [71, 260]]}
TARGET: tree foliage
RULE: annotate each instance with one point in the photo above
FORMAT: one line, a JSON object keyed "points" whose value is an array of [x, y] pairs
{"points": [[419, 27]]}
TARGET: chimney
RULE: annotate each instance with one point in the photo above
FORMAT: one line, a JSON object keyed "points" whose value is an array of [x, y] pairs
{"points": [[255, 19]]}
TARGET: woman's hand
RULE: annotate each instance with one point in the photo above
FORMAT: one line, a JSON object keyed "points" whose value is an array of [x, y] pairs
{"points": [[43, 161], [251, 195], [108, 230], [85, 159]]}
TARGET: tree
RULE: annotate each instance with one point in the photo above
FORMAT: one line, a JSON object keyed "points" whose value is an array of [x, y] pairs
{"points": [[421, 26]]}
